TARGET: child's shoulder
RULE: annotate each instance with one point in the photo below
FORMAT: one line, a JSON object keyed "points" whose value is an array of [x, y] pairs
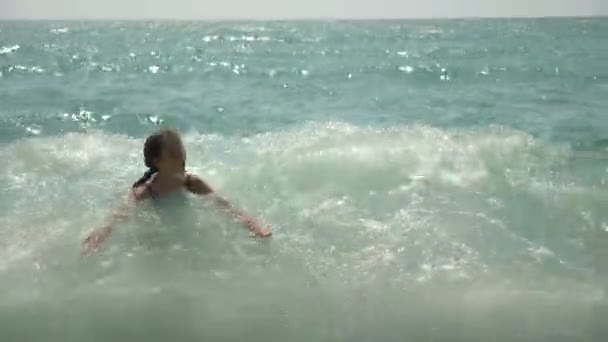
{"points": [[196, 185], [140, 192]]}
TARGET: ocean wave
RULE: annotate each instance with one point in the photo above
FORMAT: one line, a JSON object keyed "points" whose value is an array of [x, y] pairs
{"points": [[355, 209]]}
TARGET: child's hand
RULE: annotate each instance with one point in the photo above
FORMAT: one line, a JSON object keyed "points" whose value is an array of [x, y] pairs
{"points": [[262, 232], [92, 242], [255, 228]]}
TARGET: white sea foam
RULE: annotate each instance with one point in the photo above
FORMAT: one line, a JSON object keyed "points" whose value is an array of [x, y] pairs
{"points": [[371, 219]]}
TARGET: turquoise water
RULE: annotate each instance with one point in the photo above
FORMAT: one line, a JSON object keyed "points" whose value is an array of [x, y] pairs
{"points": [[426, 180]]}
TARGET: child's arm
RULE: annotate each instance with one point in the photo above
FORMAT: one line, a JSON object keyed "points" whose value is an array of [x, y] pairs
{"points": [[96, 238], [199, 187]]}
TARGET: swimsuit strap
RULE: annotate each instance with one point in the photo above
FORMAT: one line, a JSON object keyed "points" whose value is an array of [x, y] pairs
{"points": [[151, 191]]}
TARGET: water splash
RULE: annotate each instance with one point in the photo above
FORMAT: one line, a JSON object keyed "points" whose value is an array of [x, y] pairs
{"points": [[9, 49]]}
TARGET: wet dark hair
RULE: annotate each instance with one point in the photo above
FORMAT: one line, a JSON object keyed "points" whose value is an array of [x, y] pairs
{"points": [[153, 148]]}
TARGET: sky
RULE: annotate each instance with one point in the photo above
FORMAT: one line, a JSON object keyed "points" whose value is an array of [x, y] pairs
{"points": [[290, 9]]}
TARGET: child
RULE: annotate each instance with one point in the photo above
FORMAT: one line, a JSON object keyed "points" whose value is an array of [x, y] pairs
{"points": [[165, 157]]}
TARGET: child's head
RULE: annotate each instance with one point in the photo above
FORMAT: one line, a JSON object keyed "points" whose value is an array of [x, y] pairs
{"points": [[164, 151]]}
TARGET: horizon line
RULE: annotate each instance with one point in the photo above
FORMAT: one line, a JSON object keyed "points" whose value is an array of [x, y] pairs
{"points": [[301, 19]]}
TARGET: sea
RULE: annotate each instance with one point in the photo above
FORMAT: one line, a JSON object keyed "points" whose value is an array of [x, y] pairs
{"points": [[425, 180]]}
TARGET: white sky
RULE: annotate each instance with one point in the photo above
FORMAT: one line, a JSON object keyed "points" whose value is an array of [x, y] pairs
{"points": [[286, 9]]}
